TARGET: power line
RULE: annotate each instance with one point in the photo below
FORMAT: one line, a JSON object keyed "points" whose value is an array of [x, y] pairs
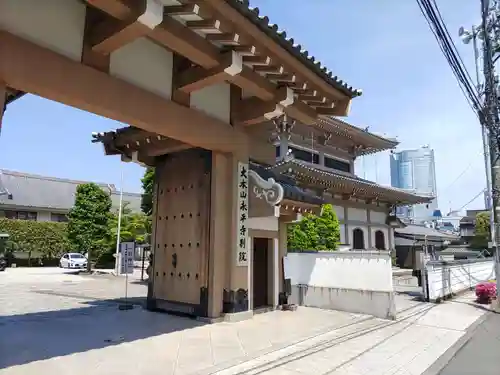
{"points": [[472, 200], [458, 177], [431, 13]]}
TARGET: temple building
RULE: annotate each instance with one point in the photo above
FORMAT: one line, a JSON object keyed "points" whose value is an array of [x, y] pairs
{"points": [[312, 165], [207, 89]]}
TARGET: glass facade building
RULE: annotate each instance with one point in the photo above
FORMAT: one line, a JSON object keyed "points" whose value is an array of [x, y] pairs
{"points": [[415, 170]]}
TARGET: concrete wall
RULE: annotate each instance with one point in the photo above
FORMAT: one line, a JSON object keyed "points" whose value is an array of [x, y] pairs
{"points": [[144, 64], [214, 100], [53, 24], [447, 278], [354, 281]]}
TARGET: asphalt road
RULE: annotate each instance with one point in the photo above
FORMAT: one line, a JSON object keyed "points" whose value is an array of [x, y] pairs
{"points": [[481, 354]]}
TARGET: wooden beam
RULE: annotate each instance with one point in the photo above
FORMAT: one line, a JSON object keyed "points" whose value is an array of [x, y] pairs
{"points": [[258, 60], [302, 112], [276, 52], [3, 101], [178, 38], [186, 42], [180, 64], [110, 35], [167, 148], [225, 38], [34, 69], [170, 33], [196, 78], [340, 108], [90, 57], [254, 83], [254, 110], [189, 9]]}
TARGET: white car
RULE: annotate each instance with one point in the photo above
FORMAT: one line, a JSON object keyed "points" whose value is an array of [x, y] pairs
{"points": [[73, 261]]}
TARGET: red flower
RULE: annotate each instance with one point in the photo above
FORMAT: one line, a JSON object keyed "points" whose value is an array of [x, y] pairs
{"points": [[486, 291]]}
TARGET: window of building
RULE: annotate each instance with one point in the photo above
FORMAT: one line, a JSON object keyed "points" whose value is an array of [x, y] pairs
{"points": [[358, 239], [59, 218], [379, 240], [308, 156], [278, 151], [21, 215], [337, 164]]}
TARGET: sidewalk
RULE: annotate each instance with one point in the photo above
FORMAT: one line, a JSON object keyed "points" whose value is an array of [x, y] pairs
{"points": [[481, 353], [406, 347], [308, 341]]}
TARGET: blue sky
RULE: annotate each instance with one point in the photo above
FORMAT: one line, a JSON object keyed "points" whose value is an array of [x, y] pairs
{"points": [[383, 47]]}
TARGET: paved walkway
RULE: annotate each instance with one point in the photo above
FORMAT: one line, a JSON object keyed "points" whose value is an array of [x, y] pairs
{"points": [[68, 324], [481, 354]]}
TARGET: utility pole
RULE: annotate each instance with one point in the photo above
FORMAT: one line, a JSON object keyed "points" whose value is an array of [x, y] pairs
{"points": [[490, 115], [467, 36]]}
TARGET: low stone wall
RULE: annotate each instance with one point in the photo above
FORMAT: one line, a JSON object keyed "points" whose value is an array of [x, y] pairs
{"points": [[355, 281], [446, 278]]}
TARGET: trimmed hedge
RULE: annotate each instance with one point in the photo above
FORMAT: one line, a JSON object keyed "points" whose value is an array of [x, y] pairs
{"points": [[45, 237]]}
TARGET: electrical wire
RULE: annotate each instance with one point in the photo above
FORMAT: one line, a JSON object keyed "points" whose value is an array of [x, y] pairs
{"points": [[431, 13], [472, 200], [454, 47], [464, 171]]}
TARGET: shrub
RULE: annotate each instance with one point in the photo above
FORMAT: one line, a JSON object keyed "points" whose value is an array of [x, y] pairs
{"points": [[43, 237], [485, 292], [317, 233]]}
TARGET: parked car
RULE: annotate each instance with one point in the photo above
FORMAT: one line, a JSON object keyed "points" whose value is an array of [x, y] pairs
{"points": [[73, 261]]}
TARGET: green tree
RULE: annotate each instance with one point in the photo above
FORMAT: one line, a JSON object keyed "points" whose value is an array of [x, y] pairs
{"points": [[147, 195], [328, 229], [88, 225], [134, 226], [481, 231], [315, 232], [297, 239]]}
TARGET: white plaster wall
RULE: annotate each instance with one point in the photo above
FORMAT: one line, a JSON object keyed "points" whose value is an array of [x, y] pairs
{"points": [[214, 100], [144, 64], [446, 278], [342, 234], [53, 24], [367, 270], [378, 217], [263, 223], [351, 227], [385, 230], [340, 211], [357, 214], [391, 238]]}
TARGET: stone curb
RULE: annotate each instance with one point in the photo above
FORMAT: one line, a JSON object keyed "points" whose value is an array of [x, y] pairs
{"points": [[448, 355]]}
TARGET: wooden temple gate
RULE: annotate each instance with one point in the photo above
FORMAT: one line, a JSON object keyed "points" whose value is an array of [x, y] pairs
{"points": [[190, 75], [182, 225]]}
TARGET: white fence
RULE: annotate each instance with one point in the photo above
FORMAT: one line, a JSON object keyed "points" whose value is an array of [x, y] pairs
{"points": [[447, 278], [354, 281]]}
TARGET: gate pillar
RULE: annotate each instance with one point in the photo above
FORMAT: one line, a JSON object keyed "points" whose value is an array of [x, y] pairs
{"points": [[230, 246], [3, 101]]}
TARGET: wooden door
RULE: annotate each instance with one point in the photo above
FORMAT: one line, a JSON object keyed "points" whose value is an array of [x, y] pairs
{"points": [[182, 232], [260, 272]]}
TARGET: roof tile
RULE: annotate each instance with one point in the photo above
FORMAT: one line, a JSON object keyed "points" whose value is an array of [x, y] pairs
{"points": [[252, 14]]}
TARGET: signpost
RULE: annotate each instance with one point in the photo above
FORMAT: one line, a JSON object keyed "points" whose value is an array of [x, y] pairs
{"points": [[127, 250]]}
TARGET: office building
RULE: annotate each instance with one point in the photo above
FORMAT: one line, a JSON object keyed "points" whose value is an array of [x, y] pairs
{"points": [[415, 170]]}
